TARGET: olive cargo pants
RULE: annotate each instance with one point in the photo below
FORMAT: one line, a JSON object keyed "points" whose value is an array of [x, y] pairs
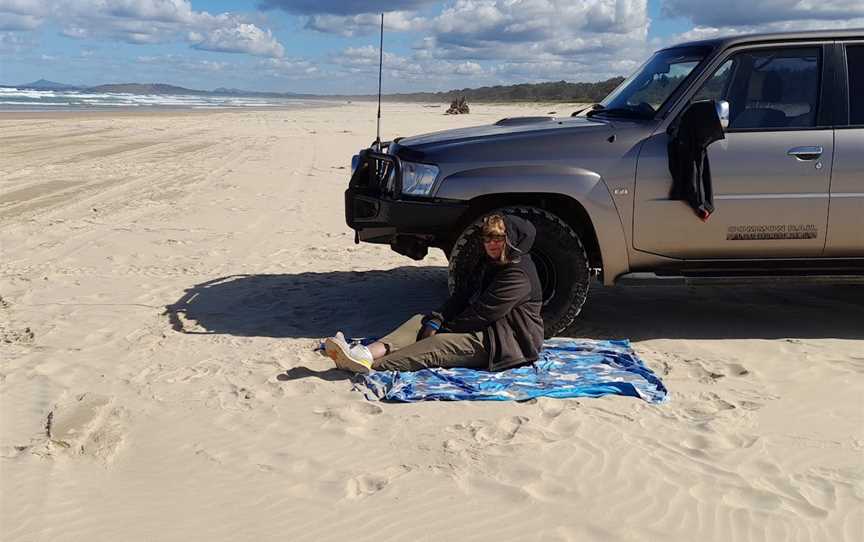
{"points": [[445, 350]]}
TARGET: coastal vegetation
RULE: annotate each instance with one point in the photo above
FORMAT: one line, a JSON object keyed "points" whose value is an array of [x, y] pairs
{"points": [[558, 91]]}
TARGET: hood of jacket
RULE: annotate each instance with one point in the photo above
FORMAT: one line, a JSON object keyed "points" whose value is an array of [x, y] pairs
{"points": [[520, 235]]}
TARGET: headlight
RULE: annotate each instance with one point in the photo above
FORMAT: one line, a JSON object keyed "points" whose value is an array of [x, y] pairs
{"points": [[417, 179]]}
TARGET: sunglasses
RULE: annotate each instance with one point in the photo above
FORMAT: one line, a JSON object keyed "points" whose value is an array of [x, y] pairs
{"points": [[494, 238]]}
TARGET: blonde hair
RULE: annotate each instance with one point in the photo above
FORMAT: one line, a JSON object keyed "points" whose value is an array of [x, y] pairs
{"points": [[494, 225]]}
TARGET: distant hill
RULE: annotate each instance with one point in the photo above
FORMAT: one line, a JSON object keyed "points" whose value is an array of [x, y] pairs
{"points": [[240, 92], [145, 88], [44, 84], [161, 88]]}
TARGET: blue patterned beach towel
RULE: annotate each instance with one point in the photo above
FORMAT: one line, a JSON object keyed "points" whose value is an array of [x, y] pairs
{"points": [[566, 368]]}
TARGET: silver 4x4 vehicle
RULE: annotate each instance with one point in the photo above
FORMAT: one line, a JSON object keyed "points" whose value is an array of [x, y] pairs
{"points": [[788, 178]]}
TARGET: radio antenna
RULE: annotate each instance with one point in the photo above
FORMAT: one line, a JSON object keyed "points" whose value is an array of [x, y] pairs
{"points": [[380, 69]]}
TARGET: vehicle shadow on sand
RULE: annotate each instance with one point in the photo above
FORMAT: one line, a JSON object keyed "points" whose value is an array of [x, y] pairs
{"points": [[309, 304], [371, 303], [791, 311]]}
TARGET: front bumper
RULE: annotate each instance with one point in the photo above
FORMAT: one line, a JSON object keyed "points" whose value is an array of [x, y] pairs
{"points": [[376, 210]]}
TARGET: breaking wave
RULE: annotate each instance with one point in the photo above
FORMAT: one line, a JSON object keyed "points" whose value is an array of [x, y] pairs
{"points": [[13, 99]]}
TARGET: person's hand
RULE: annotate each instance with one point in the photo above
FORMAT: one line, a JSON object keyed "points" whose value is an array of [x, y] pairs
{"points": [[425, 332]]}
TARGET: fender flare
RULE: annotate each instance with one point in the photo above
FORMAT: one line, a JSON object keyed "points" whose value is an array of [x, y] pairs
{"points": [[585, 187]]}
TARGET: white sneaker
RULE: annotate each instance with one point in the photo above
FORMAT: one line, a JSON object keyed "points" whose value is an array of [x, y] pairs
{"points": [[356, 359]]}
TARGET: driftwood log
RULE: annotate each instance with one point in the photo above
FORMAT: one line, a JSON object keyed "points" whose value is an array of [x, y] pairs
{"points": [[458, 107]]}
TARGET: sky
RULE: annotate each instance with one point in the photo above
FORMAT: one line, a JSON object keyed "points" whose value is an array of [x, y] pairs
{"points": [[331, 46]]}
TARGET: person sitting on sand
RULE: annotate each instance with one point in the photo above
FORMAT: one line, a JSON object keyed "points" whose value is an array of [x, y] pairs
{"points": [[493, 325]]}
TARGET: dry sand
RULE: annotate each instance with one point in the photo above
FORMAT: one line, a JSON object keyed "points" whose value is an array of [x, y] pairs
{"points": [[164, 278]]}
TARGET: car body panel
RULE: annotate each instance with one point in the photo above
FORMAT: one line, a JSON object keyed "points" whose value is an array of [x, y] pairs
{"points": [[587, 162], [504, 127], [767, 204], [846, 215]]}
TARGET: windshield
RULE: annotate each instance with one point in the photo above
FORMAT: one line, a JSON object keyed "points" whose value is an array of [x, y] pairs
{"points": [[643, 93]]}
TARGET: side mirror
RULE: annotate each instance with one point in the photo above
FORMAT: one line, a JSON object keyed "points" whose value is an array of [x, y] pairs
{"points": [[722, 107]]}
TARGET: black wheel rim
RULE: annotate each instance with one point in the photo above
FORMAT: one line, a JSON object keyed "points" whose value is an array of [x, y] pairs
{"points": [[546, 273]]}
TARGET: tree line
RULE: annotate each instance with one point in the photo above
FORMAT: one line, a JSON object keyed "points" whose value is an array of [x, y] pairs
{"points": [[558, 91]]}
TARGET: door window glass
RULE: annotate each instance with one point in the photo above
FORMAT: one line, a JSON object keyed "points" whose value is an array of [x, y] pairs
{"points": [[855, 60], [768, 89], [715, 87]]}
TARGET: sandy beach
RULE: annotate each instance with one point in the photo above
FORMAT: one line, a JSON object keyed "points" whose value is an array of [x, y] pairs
{"points": [[164, 278]]}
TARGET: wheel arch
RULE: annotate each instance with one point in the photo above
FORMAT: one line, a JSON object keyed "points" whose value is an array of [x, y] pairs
{"points": [[578, 196], [566, 208]]}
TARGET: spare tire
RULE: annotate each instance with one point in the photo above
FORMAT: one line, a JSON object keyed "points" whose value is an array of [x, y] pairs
{"points": [[558, 254]]}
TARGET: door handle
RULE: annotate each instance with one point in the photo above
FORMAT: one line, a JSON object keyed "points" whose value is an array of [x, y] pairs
{"points": [[805, 154]]}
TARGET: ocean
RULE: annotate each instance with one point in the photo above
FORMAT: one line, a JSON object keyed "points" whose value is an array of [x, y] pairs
{"points": [[13, 99]]}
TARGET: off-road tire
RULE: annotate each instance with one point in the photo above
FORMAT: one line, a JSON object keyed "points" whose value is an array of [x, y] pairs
{"points": [[558, 254]]}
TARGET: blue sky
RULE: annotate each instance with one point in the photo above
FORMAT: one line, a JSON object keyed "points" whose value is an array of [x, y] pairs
{"points": [[331, 46]]}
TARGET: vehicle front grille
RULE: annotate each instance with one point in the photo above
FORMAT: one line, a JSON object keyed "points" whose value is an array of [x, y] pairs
{"points": [[376, 174], [365, 209]]}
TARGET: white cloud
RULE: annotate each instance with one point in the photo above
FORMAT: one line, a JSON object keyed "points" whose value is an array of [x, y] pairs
{"points": [[367, 23], [25, 7], [175, 11], [75, 32], [747, 13], [143, 22], [241, 38], [460, 43], [538, 40], [470, 38], [15, 22], [343, 7], [14, 43], [364, 61], [468, 68], [485, 24], [182, 64], [786, 16], [289, 68]]}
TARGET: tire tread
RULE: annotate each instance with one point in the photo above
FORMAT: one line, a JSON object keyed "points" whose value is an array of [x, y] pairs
{"points": [[577, 294]]}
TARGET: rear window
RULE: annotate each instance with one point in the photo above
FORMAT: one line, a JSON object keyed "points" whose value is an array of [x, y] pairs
{"points": [[855, 60]]}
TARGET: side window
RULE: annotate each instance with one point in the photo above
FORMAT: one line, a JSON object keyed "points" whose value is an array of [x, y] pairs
{"points": [[715, 87], [855, 60], [768, 88]]}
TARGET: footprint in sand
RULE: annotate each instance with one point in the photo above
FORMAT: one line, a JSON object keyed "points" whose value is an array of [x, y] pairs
{"points": [[550, 408], [486, 433], [706, 407], [88, 424], [368, 484], [709, 372], [706, 445], [352, 414]]}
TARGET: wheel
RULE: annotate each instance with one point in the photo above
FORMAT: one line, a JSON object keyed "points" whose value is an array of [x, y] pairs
{"points": [[558, 254]]}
